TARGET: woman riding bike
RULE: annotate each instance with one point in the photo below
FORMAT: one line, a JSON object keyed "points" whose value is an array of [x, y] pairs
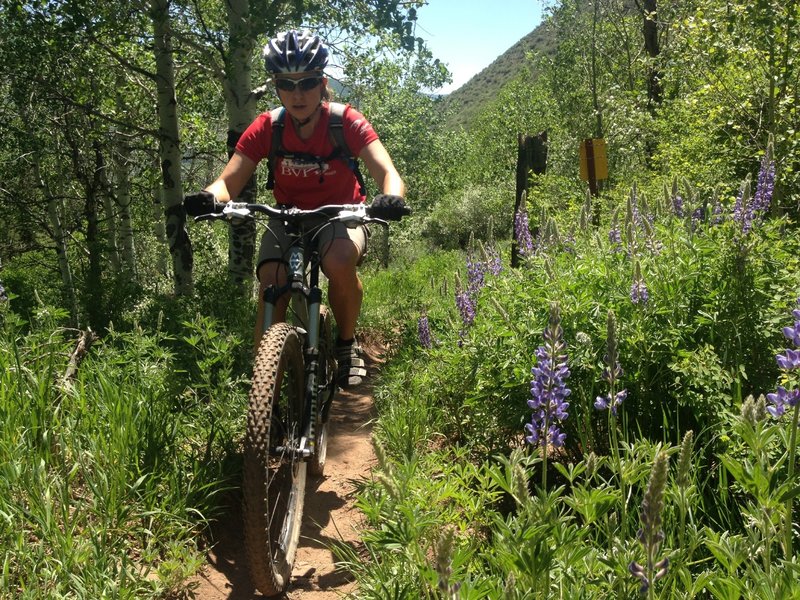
{"points": [[305, 179]]}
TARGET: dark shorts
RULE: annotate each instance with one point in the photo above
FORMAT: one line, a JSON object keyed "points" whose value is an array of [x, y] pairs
{"points": [[275, 242]]}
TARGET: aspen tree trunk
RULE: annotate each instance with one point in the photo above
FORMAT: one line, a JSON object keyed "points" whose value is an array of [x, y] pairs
{"points": [[94, 307], [598, 113], [122, 192], [241, 110], [110, 212], [180, 246], [122, 184], [60, 241], [159, 229]]}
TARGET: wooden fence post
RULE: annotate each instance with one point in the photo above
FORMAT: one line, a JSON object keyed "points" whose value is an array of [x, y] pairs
{"points": [[531, 156]]}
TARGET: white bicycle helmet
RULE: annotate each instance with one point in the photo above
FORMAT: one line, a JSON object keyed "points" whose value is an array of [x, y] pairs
{"points": [[295, 52]]}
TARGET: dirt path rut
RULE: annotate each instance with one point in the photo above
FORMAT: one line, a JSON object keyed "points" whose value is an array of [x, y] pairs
{"points": [[329, 515]]}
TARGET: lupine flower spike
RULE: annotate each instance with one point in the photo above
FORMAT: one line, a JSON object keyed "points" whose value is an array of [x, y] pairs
{"points": [[613, 370], [651, 535], [522, 231], [444, 569], [639, 292], [492, 259], [548, 390], [424, 332], [614, 234], [754, 410], [685, 460], [788, 360], [465, 305], [765, 186]]}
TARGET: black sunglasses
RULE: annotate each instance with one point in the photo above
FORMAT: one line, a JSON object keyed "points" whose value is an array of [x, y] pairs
{"points": [[306, 84]]}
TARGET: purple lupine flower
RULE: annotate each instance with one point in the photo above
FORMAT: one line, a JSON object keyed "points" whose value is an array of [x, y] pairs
{"points": [[741, 208], [494, 263], [466, 307], [789, 360], [639, 292], [793, 333], [637, 216], [522, 232], [615, 235], [781, 399], [548, 388], [476, 275], [612, 371], [765, 186], [607, 403], [698, 216], [424, 332], [467, 299], [677, 205]]}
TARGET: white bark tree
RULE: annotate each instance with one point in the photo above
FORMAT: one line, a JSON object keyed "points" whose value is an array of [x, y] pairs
{"points": [[169, 148]]}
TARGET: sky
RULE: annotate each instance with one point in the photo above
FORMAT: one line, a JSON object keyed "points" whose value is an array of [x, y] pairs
{"points": [[467, 35]]}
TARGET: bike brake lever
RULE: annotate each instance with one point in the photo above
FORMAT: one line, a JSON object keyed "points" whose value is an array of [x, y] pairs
{"points": [[208, 217], [232, 212], [352, 218], [382, 222]]}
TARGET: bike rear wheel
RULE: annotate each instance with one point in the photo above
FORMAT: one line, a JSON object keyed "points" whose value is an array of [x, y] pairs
{"points": [[326, 384], [274, 472]]}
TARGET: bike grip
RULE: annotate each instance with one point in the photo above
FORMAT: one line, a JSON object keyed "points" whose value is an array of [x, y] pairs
{"points": [[388, 207], [201, 203]]}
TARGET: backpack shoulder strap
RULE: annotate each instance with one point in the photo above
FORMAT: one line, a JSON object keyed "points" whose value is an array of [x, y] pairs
{"points": [[336, 129], [340, 147], [277, 116]]}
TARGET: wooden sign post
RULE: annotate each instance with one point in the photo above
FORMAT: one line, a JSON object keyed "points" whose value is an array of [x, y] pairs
{"points": [[531, 156]]}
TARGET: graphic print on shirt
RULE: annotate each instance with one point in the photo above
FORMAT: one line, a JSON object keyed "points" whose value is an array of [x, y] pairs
{"points": [[303, 168]]}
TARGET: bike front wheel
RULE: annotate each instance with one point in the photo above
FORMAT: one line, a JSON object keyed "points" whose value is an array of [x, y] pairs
{"points": [[274, 477]]}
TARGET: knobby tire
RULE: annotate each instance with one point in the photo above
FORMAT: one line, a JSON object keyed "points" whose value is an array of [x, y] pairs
{"points": [[274, 477], [326, 384]]}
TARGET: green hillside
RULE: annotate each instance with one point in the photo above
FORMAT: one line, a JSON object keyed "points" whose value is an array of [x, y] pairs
{"points": [[482, 88]]}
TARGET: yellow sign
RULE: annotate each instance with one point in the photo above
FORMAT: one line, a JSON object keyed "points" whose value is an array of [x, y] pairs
{"points": [[593, 157]]}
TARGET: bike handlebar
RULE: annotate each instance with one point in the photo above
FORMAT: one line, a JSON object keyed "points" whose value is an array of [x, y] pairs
{"points": [[349, 214]]}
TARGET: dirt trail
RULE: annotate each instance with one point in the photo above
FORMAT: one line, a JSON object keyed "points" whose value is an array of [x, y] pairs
{"points": [[329, 512]]}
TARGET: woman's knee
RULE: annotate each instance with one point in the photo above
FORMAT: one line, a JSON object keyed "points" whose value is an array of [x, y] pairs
{"points": [[341, 259]]}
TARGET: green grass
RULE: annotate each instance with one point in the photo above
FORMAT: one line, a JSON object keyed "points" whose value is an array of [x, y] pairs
{"points": [[106, 485]]}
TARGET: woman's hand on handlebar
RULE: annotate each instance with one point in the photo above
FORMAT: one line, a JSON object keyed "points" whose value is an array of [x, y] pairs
{"points": [[201, 203], [388, 207]]}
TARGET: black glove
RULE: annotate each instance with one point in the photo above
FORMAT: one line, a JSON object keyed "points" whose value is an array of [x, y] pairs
{"points": [[201, 203], [388, 207]]}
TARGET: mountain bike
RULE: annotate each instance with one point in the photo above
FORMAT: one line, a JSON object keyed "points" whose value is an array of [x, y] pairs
{"points": [[293, 385]]}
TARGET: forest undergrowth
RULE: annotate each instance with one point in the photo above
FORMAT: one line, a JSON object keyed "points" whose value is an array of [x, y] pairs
{"points": [[615, 417]]}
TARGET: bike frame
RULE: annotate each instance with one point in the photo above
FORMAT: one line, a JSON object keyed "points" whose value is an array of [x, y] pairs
{"points": [[306, 297]]}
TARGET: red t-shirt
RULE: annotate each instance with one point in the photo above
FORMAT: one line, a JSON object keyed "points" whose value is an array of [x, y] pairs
{"points": [[302, 183]]}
